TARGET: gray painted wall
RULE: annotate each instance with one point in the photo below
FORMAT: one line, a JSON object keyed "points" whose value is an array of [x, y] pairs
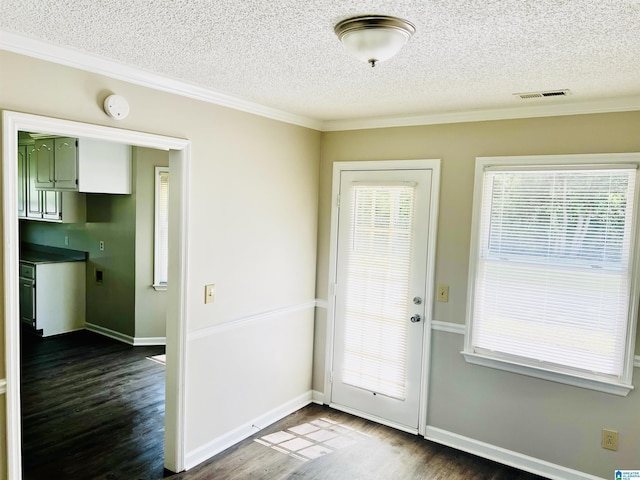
{"points": [[545, 420]]}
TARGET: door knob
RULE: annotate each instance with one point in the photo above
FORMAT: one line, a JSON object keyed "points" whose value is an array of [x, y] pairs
{"points": [[416, 318]]}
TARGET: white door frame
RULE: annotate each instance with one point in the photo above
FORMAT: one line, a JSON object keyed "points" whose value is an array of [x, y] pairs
{"points": [[180, 164], [429, 294]]}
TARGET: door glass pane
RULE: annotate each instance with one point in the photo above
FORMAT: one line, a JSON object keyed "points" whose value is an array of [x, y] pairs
{"points": [[378, 282]]}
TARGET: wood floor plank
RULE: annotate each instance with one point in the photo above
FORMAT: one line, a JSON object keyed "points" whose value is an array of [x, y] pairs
{"points": [[377, 452], [93, 409]]}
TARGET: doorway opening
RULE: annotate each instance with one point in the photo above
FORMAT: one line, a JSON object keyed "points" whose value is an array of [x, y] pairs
{"points": [[179, 163]]}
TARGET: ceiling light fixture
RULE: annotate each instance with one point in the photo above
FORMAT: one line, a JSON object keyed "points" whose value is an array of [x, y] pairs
{"points": [[374, 38]]}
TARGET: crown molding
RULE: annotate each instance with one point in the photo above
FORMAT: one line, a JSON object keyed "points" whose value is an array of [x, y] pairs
{"points": [[73, 58], [622, 104], [31, 47]]}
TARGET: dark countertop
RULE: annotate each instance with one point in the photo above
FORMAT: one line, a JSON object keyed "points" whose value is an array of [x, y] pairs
{"points": [[35, 254]]}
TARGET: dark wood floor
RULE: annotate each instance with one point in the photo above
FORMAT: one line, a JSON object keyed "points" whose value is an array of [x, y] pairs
{"points": [[93, 408], [319, 443]]}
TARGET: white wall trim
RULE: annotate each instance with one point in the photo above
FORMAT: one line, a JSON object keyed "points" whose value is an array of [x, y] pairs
{"points": [[242, 321], [506, 457], [625, 104], [3, 386], [238, 434], [459, 328], [31, 47], [149, 341], [129, 340], [448, 327], [107, 332], [320, 303], [317, 397]]}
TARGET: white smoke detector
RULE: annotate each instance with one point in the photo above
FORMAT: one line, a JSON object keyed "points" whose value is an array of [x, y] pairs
{"points": [[116, 106]]}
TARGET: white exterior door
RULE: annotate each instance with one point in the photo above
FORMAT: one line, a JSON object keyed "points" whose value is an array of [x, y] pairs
{"points": [[381, 294]]}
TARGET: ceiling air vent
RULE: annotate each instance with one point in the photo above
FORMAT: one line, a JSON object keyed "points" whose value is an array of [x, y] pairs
{"points": [[549, 93]]}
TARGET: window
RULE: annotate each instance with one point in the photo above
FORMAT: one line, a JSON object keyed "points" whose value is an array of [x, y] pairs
{"points": [[161, 235], [551, 288], [378, 279]]}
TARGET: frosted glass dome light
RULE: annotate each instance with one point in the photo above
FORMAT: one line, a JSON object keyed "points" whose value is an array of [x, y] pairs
{"points": [[374, 39]]}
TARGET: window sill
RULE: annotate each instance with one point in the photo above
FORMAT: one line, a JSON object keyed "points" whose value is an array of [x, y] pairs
{"points": [[577, 380], [160, 288]]}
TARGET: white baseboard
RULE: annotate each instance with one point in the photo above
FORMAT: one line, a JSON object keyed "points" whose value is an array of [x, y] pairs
{"points": [[121, 337], [317, 397], [107, 332], [149, 341], [506, 457], [238, 434]]}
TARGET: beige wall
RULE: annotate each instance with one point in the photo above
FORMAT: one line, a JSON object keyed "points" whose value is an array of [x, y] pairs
{"points": [[151, 306], [254, 222], [553, 422], [252, 199]]}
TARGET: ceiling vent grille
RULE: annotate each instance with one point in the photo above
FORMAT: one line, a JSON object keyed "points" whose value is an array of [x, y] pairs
{"points": [[547, 94]]}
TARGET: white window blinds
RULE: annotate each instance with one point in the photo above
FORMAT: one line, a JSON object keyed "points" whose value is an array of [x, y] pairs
{"points": [[553, 273], [161, 238], [376, 296]]}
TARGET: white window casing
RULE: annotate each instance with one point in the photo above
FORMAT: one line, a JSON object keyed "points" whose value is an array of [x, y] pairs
{"points": [[552, 271], [161, 228]]}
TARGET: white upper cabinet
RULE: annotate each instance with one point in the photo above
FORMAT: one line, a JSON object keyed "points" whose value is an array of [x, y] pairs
{"points": [[103, 167]]}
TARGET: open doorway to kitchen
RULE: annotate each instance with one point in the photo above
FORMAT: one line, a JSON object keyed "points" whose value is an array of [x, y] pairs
{"points": [[179, 160], [87, 272]]}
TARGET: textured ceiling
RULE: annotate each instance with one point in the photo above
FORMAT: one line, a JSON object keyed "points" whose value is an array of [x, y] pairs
{"points": [[466, 54]]}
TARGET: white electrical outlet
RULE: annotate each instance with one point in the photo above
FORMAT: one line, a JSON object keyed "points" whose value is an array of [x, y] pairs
{"points": [[101, 245], [66, 239]]}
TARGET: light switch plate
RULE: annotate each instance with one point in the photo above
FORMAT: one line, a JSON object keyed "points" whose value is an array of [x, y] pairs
{"points": [[443, 293], [209, 293]]}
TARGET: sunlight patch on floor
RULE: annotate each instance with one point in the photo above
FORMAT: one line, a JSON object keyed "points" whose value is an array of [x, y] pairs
{"points": [[162, 359], [312, 440]]}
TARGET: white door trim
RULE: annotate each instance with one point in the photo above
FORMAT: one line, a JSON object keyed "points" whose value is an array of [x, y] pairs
{"points": [[338, 168], [180, 164]]}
